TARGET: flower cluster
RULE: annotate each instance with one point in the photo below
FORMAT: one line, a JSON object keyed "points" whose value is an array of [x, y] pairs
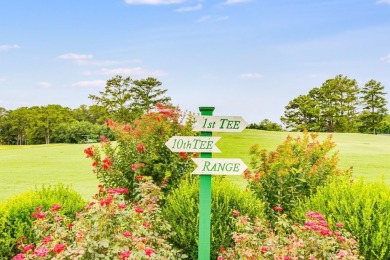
{"points": [[313, 240], [140, 150], [108, 226]]}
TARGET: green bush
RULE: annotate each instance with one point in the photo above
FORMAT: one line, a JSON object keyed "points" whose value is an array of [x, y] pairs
{"points": [[181, 209], [140, 150], [283, 177], [15, 220], [364, 208], [254, 239], [109, 227]]}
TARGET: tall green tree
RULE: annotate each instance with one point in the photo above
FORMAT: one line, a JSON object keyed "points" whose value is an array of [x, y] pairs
{"points": [[301, 113], [374, 105], [338, 102], [147, 94], [117, 98], [126, 99]]}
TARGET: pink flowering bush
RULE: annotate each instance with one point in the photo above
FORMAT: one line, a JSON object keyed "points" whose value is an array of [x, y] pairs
{"points": [[255, 239], [109, 228], [140, 150]]}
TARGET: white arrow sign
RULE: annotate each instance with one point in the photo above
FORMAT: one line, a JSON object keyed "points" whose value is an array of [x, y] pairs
{"points": [[219, 124], [219, 166], [193, 144]]}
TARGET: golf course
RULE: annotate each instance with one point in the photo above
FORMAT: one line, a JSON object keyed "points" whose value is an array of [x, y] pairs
{"points": [[28, 166]]}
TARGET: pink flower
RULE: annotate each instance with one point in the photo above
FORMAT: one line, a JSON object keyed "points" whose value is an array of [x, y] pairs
{"points": [[58, 248], [104, 139], [56, 207], [138, 209], [149, 251], [264, 249], [19, 257], [47, 239], [278, 208], [127, 234], [107, 163], [339, 225], [220, 258], [125, 254], [341, 255], [39, 208], [58, 219], [127, 128], [39, 215], [122, 206], [28, 248], [146, 224], [340, 239], [236, 213], [140, 148], [41, 251], [89, 151]]}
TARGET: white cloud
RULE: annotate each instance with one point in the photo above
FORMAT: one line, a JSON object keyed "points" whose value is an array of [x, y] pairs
{"points": [[6, 47], [251, 76], [44, 84], [153, 2], [133, 72], [89, 84], [2, 79], [232, 2], [75, 56], [383, 2], [386, 58], [189, 8]]}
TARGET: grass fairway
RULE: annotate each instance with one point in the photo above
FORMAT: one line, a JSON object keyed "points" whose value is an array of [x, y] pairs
{"points": [[368, 154], [24, 167]]}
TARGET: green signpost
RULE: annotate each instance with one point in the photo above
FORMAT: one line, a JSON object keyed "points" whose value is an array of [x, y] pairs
{"points": [[205, 144], [205, 200]]}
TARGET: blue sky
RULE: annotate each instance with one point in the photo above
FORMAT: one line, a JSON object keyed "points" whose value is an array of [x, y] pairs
{"points": [[245, 57]]}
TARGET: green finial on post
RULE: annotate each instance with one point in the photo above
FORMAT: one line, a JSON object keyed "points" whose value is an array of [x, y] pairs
{"points": [[205, 200]]}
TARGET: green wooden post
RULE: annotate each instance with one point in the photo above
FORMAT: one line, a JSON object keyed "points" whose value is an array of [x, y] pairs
{"points": [[205, 200]]}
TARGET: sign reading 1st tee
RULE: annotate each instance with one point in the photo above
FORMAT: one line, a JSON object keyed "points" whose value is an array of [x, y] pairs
{"points": [[219, 124]]}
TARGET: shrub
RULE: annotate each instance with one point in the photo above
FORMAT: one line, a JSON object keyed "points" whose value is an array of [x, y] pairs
{"points": [[313, 240], [141, 151], [181, 209], [293, 172], [15, 220], [364, 208], [108, 228]]}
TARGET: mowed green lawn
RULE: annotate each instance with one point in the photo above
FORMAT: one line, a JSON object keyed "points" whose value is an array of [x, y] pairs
{"points": [[24, 167]]}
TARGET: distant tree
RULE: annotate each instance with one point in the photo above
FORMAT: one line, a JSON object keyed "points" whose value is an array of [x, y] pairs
{"points": [[18, 121], [330, 108], [126, 99], [44, 119], [374, 105], [266, 125], [147, 94], [339, 101], [3, 125], [94, 114], [301, 114], [117, 98]]}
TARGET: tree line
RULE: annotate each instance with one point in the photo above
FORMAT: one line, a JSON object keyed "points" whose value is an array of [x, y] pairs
{"points": [[339, 105], [122, 100]]}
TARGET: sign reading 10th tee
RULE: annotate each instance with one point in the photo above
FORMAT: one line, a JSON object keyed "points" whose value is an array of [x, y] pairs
{"points": [[205, 144]]}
